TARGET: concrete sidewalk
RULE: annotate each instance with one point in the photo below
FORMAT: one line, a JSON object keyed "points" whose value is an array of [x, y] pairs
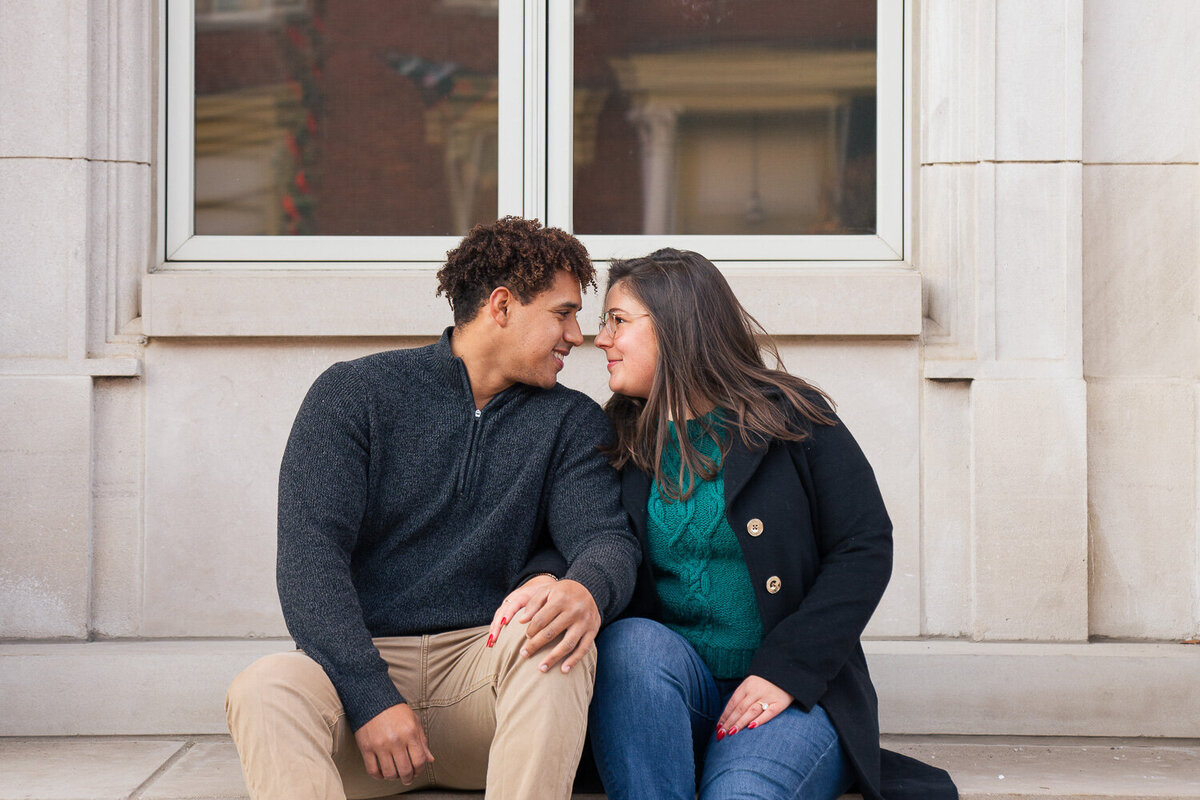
{"points": [[985, 768]]}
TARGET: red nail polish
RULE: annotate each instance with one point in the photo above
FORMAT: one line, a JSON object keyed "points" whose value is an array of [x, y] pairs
{"points": [[752, 725], [504, 620], [732, 731], [720, 734], [491, 640]]}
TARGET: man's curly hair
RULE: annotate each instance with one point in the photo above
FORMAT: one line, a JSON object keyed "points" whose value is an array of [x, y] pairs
{"points": [[513, 252]]}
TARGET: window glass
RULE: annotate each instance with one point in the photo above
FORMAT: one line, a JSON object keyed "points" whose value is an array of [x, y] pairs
{"points": [[725, 117], [315, 117]]}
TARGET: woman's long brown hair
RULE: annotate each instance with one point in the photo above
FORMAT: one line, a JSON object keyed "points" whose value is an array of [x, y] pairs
{"points": [[709, 356]]}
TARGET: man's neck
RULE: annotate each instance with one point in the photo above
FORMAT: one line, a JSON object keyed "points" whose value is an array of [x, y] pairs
{"points": [[478, 352]]}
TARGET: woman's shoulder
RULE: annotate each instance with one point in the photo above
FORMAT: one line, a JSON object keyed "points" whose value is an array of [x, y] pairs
{"points": [[805, 407]]}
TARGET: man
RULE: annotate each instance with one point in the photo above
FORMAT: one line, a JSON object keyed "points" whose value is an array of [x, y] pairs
{"points": [[414, 487]]}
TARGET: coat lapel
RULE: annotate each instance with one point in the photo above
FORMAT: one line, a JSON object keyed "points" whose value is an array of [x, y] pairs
{"points": [[740, 464]]}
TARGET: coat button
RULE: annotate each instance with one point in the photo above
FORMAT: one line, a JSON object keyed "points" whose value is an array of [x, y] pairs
{"points": [[754, 527], [774, 584]]}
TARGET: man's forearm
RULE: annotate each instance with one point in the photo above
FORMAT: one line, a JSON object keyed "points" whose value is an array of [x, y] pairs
{"points": [[608, 568]]}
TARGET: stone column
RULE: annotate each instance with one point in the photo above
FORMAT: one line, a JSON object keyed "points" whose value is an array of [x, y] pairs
{"points": [[76, 235], [1004, 438]]}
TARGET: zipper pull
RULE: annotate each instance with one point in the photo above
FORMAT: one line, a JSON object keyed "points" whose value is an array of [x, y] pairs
{"points": [[478, 413]]}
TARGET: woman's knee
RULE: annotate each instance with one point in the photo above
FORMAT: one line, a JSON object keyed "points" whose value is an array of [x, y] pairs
{"points": [[797, 756], [634, 637], [637, 654]]}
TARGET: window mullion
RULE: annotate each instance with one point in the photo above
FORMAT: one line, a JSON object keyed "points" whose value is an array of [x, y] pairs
{"points": [[534, 127], [513, 105], [889, 127], [560, 68], [180, 122]]}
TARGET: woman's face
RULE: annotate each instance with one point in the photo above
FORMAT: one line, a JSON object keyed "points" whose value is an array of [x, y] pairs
{"points": [[632, 349]]}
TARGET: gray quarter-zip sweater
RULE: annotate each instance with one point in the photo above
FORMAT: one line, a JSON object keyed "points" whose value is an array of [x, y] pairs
{"points": [[403, 510]]}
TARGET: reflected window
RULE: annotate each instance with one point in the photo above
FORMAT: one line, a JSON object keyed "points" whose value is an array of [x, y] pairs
{"points": [[374, 118], [737, 117]]}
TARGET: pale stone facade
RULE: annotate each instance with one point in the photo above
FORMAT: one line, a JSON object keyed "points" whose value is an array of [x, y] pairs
{"points": [[1025, 383]]}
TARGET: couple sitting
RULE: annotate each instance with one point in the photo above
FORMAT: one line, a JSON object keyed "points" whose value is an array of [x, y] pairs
{"points": [[427, 492]]}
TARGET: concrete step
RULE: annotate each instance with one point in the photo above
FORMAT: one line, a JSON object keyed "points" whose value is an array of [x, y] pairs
{"points": [[985, 768]]}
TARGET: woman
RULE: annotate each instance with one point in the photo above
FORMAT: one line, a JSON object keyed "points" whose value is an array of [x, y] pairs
{"points": [[736, 671]]}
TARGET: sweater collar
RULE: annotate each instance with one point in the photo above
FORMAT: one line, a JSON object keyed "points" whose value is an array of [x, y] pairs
{"points": [[450, 371], [447, 368]]}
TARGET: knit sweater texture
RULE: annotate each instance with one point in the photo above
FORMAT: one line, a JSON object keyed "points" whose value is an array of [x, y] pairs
{"points": [[699, 570], [404, 511]]}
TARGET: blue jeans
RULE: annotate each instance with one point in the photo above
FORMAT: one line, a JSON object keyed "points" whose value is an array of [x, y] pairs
{"points": [[653, 725]]}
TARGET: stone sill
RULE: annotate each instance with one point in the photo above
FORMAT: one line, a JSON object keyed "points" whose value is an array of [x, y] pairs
{"points": [[174, 687], [836, 301], [113, 367], [951, 370]]}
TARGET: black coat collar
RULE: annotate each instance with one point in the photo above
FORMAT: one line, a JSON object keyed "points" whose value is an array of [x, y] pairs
{"points": [[739, 464]]}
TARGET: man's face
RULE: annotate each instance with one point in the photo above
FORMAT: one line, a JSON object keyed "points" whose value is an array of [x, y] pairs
{"points": [[543, 331]]}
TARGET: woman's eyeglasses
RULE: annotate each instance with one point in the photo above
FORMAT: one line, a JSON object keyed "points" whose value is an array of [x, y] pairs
{"points": [[611, 321]]}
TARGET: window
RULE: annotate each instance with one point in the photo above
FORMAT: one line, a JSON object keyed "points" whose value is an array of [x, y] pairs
{"points": [[381, 130]]}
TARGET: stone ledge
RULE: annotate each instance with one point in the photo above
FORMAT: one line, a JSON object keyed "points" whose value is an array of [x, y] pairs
{"points": [[985, 768], [177, 687], [111, 367], [1044, 689], [239, 301]]}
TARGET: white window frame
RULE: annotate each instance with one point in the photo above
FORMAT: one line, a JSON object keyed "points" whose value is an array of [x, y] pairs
{"points": [[535, 164], [517, 136]]}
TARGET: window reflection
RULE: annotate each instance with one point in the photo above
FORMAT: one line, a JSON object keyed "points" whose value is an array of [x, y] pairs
{"points": [[369, 118], [725, 117]]}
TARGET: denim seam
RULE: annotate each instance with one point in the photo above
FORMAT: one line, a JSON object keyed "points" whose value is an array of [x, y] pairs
{"points": [[832, 745]]}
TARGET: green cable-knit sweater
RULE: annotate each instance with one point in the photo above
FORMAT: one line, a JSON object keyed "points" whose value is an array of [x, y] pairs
{"points": [[699, 571]]}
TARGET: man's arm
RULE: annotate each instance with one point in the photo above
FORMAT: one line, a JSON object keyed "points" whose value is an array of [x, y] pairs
{"points": [[584, 514], [322, 499], [589, 527]]}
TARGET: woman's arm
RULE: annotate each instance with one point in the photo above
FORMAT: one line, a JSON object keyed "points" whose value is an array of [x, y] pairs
{"points": [[807, 649]]}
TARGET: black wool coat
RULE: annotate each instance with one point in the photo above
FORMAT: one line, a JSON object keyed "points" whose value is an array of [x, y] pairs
{"points": [[817, 541]]}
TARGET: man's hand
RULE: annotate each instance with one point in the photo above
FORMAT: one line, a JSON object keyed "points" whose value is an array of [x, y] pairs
{"points": [[567, 608], [393, 745]]}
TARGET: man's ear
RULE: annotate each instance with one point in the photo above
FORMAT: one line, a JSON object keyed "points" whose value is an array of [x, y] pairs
{"points": [[498, 305]]}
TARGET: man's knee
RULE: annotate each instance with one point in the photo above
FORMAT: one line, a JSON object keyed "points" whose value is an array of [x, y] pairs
{"points": [[515, 637], [271, 680]]}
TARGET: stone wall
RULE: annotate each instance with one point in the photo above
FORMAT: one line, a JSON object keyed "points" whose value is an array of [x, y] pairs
{"points": [[1024, 384]]}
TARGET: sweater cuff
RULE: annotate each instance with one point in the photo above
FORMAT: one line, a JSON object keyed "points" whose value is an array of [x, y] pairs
{"points": [[365, 698], [596, 581]]}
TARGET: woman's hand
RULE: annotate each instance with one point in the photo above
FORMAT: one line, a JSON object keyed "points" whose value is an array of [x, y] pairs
{"points": [[531, 593], [755, 702]]}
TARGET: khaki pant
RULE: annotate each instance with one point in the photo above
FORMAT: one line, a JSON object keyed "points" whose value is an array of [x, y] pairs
{"points": [[492, 719]]}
